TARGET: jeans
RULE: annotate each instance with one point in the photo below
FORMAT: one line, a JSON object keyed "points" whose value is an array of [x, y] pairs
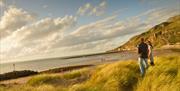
{"points": [[151, 59], [143, 65]]}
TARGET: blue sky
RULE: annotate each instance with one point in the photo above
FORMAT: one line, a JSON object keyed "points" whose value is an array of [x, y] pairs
{"points": [[31, 29], [60, 8]]}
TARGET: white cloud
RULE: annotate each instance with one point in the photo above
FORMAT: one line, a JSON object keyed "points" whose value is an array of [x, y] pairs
{"points": [[50, 14], [26, 39], [86, 33], [84, 9], [161, 14], [2, 3], [99, 10], [45, 6], [89, 9], [14, 19], [155, 16], [107, 28]]}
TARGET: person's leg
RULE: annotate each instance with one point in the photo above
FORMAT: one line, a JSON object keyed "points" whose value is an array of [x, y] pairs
{"points": [[141, 66], [151, 59], [145, 61]]}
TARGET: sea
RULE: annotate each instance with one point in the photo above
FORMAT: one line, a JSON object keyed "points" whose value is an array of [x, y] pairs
{"points": [[42, 65]]}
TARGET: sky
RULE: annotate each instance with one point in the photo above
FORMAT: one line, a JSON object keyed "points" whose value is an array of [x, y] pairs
{"points": [[33, 29]]}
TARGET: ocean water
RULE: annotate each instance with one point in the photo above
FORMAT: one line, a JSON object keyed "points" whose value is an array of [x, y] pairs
{"points": [[41, 65]]}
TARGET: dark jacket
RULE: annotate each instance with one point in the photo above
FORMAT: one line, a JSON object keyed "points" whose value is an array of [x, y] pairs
{"points": [[143, 50]]}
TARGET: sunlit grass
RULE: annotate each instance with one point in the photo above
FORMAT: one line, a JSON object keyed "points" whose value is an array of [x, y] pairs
{"points": [[37, 88], [59, 79], [118, 76], [162, 77]]}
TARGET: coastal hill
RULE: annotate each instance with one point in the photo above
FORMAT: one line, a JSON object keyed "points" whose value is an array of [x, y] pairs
{"points": [[164, 35]]}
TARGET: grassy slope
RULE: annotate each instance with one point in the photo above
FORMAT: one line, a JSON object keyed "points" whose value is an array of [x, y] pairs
{"points": [[166, 33], [119, 76]]}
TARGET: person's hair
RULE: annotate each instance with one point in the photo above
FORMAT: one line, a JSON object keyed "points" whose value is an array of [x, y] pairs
{"points": [[142, 39], [149, 42]]}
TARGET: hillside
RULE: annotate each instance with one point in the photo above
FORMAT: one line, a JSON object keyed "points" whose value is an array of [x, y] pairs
{"points": [[162, 35], [118, 76]]}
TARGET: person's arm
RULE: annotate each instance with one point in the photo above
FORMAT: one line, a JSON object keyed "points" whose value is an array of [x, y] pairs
{"points": [[152, 46], [149, 50], [139, 49]]}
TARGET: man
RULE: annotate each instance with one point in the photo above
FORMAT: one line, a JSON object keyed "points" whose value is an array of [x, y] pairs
{"points": [[143, 56]]}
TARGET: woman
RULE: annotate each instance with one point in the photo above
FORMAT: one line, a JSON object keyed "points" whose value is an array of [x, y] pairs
{"points": [[150, 47]]}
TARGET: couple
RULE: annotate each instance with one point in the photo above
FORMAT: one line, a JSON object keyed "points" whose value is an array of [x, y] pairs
{"points": [[145, 52]]}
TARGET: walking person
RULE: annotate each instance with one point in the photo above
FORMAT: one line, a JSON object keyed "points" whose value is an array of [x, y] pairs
{"points": [[143, 56], [150, 47]]}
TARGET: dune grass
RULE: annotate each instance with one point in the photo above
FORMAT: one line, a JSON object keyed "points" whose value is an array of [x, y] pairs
{"points": [[60, 79], [165, 76], [118, 76]]}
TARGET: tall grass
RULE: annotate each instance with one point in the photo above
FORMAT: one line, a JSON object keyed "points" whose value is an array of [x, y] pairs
{"points": [[165, 76], [114, 77], [32, 88], [60, 79], [119, 76]]}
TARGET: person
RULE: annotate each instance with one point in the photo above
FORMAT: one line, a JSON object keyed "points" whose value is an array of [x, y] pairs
{"points": [[143, 56], [150, 47]]}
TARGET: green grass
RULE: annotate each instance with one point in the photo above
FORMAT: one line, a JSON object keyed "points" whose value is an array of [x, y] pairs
{"points": [[118, 76]]}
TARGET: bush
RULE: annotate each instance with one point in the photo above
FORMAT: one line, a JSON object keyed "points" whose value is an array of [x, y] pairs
{"points": [[16, 74]]}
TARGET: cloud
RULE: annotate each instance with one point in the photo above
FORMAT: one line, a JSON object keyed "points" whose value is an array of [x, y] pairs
{"points": [[45, 27], [89, 9], [158, 15], [99, 10], [2, 2], [85, 33], [26, 39], [161, 14], [41, 33], [14, 19], [50, 14], [84, 9], [151, 2], [107, 28], [45, 6]]}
